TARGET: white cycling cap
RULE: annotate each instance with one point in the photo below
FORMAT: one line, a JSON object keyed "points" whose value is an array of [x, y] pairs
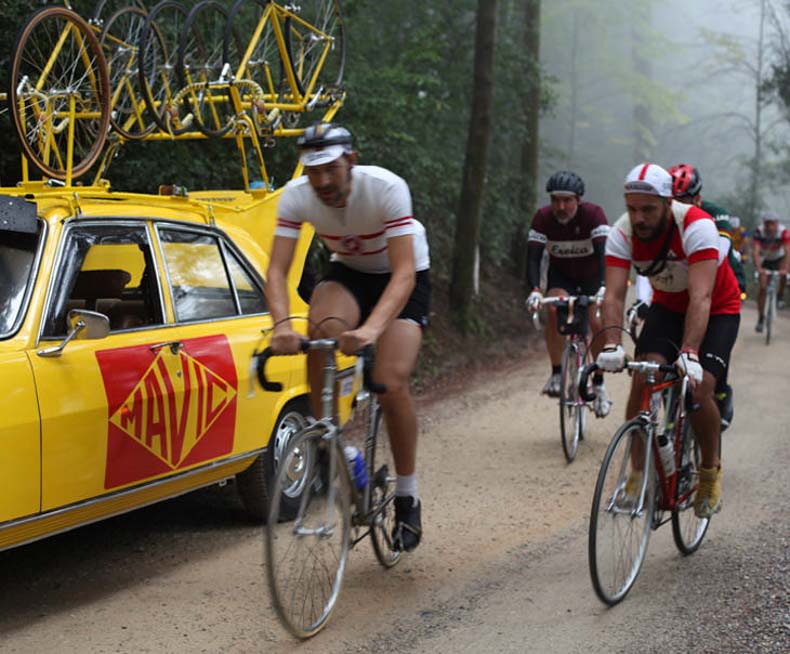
{"points": [[650, 179], [771, 216], [322, 143]]}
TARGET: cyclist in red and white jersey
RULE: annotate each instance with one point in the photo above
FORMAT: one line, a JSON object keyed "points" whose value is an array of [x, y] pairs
{"points": [[694, 316], [376, 291], [770, 247], [574, 234]]}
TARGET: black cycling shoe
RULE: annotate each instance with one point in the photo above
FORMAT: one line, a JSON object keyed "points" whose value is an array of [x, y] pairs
{"points": [[408, 524], [726, 406]]}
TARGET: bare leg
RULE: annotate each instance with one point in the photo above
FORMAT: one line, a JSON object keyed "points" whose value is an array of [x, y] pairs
{"points": [[761, 295], [396, 356], [707, 421], [333, 310], [555, 342]]}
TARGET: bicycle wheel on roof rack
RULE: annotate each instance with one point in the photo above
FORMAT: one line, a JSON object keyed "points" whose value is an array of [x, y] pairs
{"points": [[157, 66], [60, 92], [119, 38], [103, 9], [315, 39], [200, 67], [254, 58]]}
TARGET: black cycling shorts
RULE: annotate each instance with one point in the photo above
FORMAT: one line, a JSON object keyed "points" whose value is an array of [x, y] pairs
{"points": [[584, 287], [368, 287], [776, 264], [662, 334]]}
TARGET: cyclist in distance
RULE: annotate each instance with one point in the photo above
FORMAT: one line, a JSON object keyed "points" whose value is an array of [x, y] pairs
{"points": [[695, 312], [376, 290], [770, 245], [574, 233], [687, 188]]}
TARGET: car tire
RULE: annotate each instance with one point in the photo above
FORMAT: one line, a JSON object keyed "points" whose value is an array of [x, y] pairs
{"points": [[254, 483]]}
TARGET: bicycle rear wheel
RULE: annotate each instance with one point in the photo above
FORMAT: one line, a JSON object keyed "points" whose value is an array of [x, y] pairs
{"points": [[59, 92], [306, 558], [315, 39], [619, 522], [687, 529], [571, 418], [381, 472]]}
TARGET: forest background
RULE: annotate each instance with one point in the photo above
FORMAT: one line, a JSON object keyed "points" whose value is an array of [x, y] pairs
{"points": [[595, 86]]}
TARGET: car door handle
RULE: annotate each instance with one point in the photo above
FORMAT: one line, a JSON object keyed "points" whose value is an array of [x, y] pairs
{"points": [[174, 346]]}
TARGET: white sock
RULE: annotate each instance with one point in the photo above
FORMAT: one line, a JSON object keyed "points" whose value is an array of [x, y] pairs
{"points": [[407, 486]]}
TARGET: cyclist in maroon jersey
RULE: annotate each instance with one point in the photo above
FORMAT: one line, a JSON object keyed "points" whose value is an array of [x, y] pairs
{"points": [[574, 235]]}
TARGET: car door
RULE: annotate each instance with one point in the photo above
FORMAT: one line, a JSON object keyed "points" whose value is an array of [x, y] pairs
{"points": [[217, 296], [109, 267]]}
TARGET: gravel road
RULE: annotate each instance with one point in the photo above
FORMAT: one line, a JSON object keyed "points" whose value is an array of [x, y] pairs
{"points": [[503, 565]]}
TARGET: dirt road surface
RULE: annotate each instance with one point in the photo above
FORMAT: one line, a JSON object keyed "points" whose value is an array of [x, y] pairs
{"points": [[503, 564]]}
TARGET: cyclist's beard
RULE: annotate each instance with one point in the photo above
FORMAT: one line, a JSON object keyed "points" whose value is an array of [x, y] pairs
{"points": [[335, 195], [644, 233]]}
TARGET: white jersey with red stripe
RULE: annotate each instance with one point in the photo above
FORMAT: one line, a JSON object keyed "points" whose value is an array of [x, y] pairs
{"points": [[774, 247], [377, 209], [695, 239]]}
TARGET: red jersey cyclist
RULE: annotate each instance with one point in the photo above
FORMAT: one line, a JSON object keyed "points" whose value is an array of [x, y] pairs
{"points": [[376, 290], [574, 234], [694, 316], [770, 246]]}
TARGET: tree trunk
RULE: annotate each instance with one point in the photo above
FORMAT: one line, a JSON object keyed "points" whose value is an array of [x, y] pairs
{"points": [[530, 149], [754, 190], [467, 232]]}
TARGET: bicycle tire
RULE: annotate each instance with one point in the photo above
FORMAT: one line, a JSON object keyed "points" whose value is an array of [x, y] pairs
{"points": [[304, 52], [612, 577], [59, 42], [157, 66], [688, 530], [568, 404], [381, 473], [769, 313], [200, 62], [100, 7], [306, 560], [119, 39]]}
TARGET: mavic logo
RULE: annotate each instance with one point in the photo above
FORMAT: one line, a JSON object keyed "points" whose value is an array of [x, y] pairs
{"points": [[173, 406], [167, 410]]}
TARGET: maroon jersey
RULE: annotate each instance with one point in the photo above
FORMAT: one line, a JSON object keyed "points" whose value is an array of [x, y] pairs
{"points": [[570, 246]]}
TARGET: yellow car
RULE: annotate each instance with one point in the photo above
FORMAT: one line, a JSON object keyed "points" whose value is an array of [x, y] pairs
{"points": [[127, 328]]}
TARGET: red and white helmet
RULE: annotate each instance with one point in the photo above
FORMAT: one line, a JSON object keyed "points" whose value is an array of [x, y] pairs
{"points": [[650, 179]]}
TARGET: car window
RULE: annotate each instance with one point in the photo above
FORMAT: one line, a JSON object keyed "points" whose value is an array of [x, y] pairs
{"points": [[251, 298], [199, 281], [17, 273], [109, 269]]}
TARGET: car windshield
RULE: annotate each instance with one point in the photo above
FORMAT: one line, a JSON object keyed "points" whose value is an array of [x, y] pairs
{"points": [[17, 260]]}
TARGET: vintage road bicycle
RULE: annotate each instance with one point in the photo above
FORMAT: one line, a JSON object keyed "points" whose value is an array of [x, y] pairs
{"points": [[769, 310], [634, 491], [573, 323], [317, 511]]}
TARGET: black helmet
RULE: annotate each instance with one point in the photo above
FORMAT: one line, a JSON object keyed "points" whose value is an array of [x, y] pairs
{"points": [[564, 181], [321, 135]]}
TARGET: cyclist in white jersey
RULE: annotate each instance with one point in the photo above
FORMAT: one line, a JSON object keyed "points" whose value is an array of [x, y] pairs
{"points": [[376, 291]]}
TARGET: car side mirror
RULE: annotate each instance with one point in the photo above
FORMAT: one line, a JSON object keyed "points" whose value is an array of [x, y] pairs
{"points": [[87, 325]]}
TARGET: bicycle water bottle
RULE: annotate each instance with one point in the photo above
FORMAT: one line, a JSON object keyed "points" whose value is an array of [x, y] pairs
{"points": [[357, 463], [667, 454]]}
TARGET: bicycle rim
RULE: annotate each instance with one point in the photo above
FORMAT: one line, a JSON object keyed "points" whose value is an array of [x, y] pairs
{"points": [[619, 534], [381, 472], [57, 59], [687, 529], [119, 39], [306, 558], [569, 406], [315, 40]]}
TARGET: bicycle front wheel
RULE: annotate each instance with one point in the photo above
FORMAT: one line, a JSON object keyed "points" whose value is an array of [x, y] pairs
{"points": [[381, 472], [687, 529], [306, 558], [770, 305], [570, 408], [622, 513]]}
